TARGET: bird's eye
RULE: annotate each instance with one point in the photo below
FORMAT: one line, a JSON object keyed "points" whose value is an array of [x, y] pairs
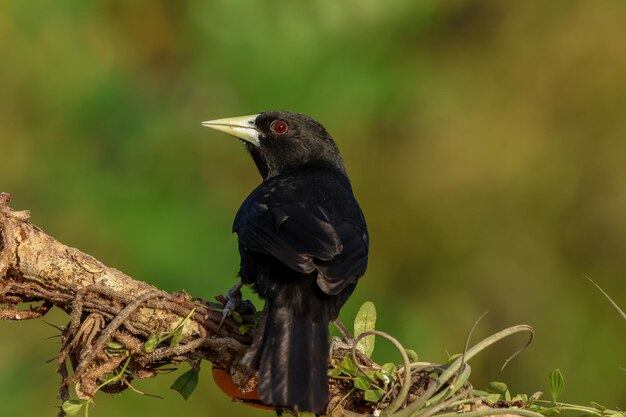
{"points": [[279, 127]]}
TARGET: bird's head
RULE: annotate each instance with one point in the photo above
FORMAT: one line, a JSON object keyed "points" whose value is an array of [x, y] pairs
{"points": [[281, 141]]}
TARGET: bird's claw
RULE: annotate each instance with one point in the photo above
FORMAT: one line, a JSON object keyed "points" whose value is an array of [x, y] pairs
{"points": [[233, 297]]}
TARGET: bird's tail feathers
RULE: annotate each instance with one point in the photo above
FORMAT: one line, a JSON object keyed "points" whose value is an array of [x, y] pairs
{"points": [[291, 354]]}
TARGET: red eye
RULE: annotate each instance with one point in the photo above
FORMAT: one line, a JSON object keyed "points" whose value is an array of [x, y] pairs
{"points": [[279, 127]]}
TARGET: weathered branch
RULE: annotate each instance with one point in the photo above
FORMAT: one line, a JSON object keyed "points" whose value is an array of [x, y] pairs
{"points": [[112, 316], [106, 305], [129, 329]]}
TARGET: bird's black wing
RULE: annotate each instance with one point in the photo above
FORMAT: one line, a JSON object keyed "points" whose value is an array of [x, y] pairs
{"points": [[351, 263], [298, 231]]}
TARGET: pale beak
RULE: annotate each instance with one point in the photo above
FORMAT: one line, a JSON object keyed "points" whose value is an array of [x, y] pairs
{"points": [[242, 127]]}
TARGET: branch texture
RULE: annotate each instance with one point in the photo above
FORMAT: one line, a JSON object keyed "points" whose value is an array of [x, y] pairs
{"points": [[112, 316]]}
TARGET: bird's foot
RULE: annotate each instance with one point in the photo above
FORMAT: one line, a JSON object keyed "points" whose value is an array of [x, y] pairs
{"points": [[233, 299]]}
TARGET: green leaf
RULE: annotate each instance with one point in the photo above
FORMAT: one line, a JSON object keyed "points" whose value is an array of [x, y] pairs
{"points": [[550, 411], [454, 357], [493, 398], [177, 336], [362, 382], [348, 366], [186, 383], [115, 345], [72, 407], [334, 372], [556, 384], [373, 395], [389, 369], [151, 343], [412, 355], [115, 348], [597, 406], [365, 321], [387, 373], [498, 387], [520, 397], [237, 317]]}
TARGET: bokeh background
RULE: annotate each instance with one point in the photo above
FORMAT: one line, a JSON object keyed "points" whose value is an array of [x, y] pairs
{"points": [[486, 142]]}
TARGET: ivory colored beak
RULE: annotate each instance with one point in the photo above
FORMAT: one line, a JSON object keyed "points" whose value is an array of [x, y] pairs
{"points": [[242, 127]]}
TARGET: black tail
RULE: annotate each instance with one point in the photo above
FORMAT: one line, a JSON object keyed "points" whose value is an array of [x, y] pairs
{"points": [[290, 352]]}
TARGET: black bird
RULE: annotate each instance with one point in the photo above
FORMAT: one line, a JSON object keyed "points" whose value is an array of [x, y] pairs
{"points": [[303, 244]]}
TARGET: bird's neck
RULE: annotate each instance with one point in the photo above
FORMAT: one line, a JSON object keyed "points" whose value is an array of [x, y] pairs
{"points": [[315, 166], [269, 169]]}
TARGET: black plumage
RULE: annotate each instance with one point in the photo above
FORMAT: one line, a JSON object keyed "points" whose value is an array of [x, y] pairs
{"points": [[303, 244]]}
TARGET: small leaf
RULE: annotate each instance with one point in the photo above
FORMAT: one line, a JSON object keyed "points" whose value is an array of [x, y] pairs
{"points": [[115, 345], [454, 357], [362, 382], [115, 348], [520, 397], [237, 317], [385, 378], [371, 374], [412, 355], [507, 395], [556, 384], [499, 387], [72, 407], [177, 337], [389, 368], [151, 343], [348, 365], [536, 396], [387, 373], [243, 329], [365, 321], [373, 395], [335, 372], [493, 398], [597, 406], [186, 383]]}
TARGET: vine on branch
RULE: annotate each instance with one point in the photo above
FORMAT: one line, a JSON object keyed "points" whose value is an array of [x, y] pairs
{"points": [[121, 329]]}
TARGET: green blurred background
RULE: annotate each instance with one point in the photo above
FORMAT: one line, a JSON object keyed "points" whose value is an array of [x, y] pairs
{"points": [[486, 142]]}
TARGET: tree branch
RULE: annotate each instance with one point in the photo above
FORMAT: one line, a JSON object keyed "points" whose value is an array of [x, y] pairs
{"points": [[121, 329], [112, 316]]}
